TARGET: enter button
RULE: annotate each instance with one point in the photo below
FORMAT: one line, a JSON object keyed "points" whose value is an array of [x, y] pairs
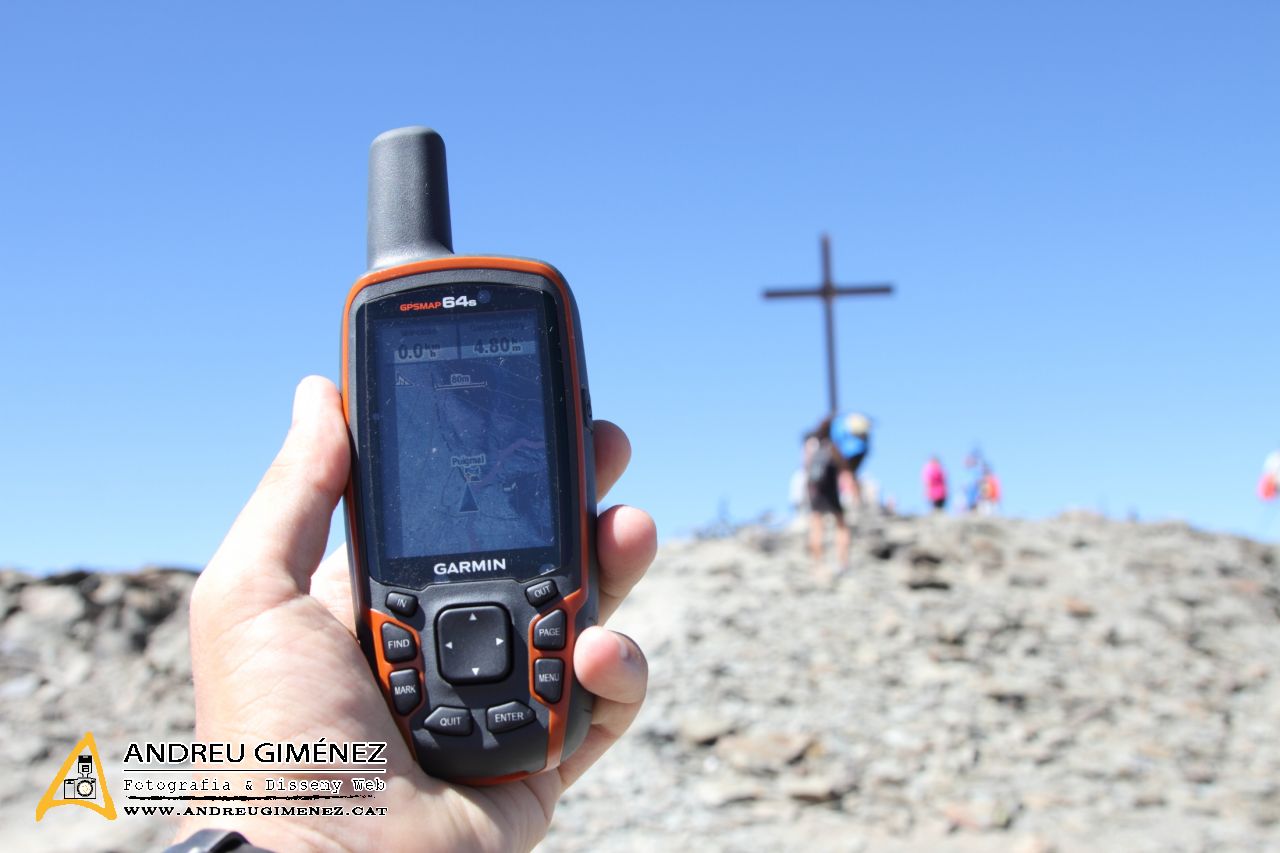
{"points": [[513, 715]]}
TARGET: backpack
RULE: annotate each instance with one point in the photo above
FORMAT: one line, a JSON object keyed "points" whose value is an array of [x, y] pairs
{"points": [[822, 460], [850, 433]]}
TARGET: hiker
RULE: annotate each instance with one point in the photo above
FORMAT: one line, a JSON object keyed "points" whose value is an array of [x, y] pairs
{"points": [[988, 492], [275, 659], [976, 465], [824, 466], [851, 434], [935, 484], [1269, 484]]}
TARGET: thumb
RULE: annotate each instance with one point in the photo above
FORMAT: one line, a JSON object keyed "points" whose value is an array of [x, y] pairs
{"points": [[279, 537]]}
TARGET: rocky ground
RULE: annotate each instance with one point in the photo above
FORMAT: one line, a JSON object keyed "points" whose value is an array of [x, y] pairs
{"points": [[85, 651], [971, 685]]}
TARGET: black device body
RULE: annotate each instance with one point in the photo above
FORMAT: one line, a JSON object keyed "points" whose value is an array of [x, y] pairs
{"points": [[471, 506]]}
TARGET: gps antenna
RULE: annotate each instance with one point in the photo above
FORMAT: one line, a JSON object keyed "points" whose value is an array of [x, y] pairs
{"points": [[408, 198]]}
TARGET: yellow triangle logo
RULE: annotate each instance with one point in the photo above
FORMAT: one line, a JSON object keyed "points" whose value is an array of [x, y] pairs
{"points": [[80, 781]]}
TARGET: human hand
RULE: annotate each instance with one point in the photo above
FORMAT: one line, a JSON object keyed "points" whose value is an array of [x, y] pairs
{"points": [[275, 658]]}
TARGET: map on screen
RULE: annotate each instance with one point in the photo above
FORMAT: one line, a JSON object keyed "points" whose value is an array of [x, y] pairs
{"points": [[465, 466]]}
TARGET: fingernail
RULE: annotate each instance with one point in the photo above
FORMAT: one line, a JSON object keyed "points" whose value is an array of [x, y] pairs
{"points": [[305, 398], [624, 648]]}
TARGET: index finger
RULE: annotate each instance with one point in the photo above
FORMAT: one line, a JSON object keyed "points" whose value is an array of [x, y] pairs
{"points": [[276, 542]]}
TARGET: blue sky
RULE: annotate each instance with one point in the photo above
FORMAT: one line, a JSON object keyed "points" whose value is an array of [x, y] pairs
{"points": [[1078, 204]]}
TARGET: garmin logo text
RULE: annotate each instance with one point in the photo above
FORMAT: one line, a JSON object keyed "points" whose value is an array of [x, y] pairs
{"points": [[470, 567]]}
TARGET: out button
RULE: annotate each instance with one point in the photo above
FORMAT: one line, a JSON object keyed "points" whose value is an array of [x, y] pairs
{"points": [[540, 593]]}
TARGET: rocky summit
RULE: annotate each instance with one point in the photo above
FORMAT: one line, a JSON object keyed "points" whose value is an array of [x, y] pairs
{"points": [[969, 684]]}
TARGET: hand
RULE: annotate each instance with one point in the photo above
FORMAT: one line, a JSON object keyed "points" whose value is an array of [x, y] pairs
{"points": [[275, 658]]}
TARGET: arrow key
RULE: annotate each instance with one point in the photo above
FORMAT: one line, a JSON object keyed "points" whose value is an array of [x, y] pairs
{"points": [[474, 644]]}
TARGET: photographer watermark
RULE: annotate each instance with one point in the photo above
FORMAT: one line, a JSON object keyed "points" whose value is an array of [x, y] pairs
{"points": [[80, 781], [276, 778]]}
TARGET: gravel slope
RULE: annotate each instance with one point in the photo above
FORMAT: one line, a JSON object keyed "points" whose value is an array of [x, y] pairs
{"points": [[971, 685]]}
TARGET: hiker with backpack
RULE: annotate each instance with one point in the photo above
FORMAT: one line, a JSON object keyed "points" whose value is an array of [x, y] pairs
{"points": [[824, 466], [851, 435]]}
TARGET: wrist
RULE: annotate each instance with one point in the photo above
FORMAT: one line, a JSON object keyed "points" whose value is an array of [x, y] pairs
{"points": [[260, 834], [214, 841]]}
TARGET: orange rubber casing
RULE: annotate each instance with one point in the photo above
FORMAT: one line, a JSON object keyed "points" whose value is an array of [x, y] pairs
{"points": [[579, 605]]}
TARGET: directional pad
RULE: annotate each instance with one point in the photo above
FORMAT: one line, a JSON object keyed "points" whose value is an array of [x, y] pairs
{"points": [[474, 644]]}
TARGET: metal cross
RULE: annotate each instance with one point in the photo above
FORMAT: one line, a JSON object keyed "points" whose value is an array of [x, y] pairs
{"points": [[828, 292]]}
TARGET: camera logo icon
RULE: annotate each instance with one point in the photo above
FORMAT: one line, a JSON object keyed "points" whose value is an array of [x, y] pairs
{"points": [[85, 787], [80, 781]]}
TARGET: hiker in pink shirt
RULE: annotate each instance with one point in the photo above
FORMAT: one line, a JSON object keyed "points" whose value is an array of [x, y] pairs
{"points": [[935, 483]]}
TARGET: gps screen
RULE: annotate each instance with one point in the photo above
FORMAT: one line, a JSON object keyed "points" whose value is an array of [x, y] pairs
{"points": [[461, 434]]}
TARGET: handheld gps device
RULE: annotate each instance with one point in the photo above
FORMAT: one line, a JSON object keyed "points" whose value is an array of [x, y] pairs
{"points": [[471, 507]]}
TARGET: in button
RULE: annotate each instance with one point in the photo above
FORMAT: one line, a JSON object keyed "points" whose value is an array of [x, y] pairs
{"points": [[402, 603]]}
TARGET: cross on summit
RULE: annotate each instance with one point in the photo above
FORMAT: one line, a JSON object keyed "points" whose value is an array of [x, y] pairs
{"points": [[827, 292]]}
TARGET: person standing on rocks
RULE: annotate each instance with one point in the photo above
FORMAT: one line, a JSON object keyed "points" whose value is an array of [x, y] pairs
{"points": [[1269, 485], [973, 490], [989, 492], [935, 483], [851, 434], [824, 466]]}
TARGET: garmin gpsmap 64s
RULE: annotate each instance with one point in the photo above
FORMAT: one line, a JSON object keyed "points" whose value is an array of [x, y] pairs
{"points": [[471, 507]]}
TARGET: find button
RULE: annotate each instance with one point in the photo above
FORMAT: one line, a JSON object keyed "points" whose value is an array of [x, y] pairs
{"points": [[397, 644]]}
